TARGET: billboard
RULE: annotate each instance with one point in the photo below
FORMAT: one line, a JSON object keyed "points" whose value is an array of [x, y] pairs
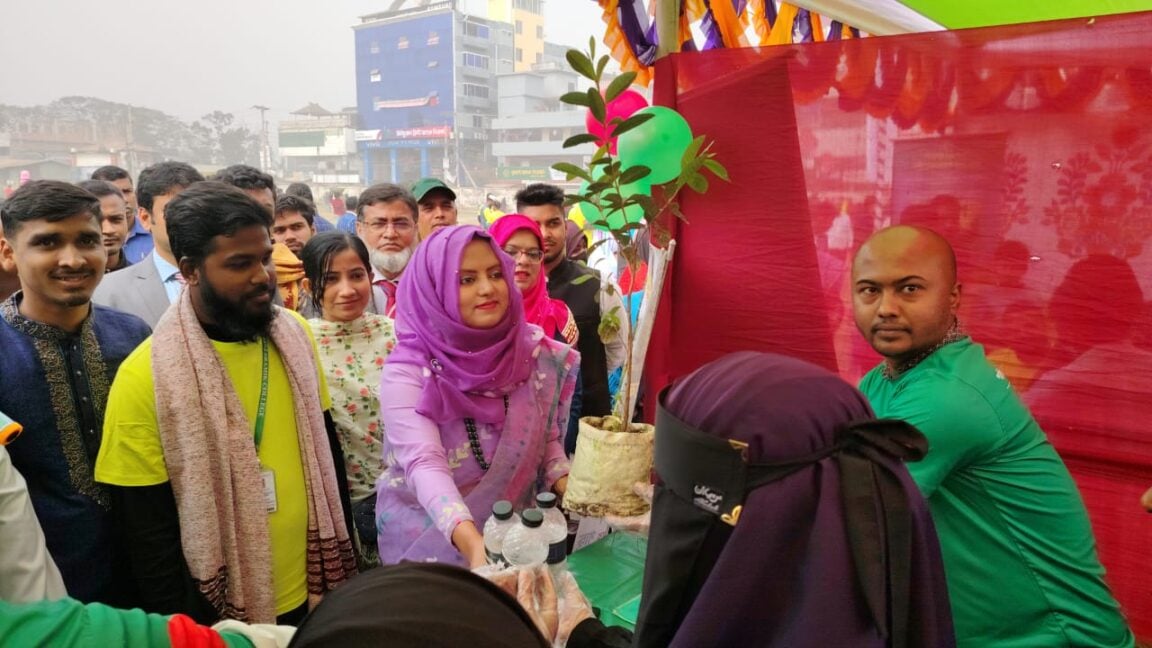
{"points": [[404, 75]]}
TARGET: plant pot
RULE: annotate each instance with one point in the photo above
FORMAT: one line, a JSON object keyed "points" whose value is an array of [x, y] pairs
{"points": [[606, 465]]}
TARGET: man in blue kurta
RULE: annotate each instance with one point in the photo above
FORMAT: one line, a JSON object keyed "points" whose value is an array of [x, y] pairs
{"points": [[1017, 545], [60, 355]]}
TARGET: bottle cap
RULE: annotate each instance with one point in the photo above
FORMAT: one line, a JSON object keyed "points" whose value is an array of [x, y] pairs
{"points": [[502, 510], [546, 500], [532, 518]]}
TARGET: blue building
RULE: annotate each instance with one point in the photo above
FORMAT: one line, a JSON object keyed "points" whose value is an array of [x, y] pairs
{"points": [[426, 92]]}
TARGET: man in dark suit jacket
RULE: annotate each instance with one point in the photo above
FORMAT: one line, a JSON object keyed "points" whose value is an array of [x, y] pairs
{"points": [[146, 289]]}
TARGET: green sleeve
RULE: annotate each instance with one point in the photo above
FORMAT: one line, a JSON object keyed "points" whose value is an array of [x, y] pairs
{"points": [[960, 425], [68, 622]]}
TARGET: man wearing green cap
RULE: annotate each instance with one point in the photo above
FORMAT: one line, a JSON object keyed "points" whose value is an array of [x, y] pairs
{"points": [[437, 205]]}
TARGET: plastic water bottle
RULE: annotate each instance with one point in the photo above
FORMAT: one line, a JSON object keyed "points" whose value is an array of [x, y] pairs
{"points": [[526, 543], [556, 531], [497, 527]]}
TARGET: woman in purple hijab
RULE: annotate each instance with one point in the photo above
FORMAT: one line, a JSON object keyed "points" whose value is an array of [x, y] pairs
{"points": [[473, 399], [783, 516]]}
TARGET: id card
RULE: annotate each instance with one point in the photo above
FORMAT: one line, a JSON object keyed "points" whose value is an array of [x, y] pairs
{"points": [[269, 478]]}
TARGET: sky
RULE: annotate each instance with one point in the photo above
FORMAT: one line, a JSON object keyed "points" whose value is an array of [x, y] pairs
{"points": [[190, 57]]}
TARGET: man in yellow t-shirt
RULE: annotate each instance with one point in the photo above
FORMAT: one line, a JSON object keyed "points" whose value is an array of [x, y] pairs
{"points": [[226, 258]]}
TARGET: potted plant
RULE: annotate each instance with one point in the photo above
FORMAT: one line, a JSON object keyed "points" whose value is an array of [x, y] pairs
{"points": [[645, 157]]}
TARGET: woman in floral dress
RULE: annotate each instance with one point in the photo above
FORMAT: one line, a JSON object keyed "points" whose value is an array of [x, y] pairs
{"points": [[353, 347]]}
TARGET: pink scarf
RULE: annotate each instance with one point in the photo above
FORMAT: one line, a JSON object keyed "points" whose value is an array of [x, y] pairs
{"points": [[552, 315]]}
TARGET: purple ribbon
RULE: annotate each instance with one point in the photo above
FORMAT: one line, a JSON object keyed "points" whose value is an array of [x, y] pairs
{"points": [[802, 27], [639, 31], [712, 38]]}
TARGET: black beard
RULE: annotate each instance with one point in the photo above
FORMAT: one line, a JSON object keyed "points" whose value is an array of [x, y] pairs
{"points": [[232, 322]]}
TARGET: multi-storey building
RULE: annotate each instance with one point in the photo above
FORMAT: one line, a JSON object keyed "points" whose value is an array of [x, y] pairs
{"points": [[426, 91]]}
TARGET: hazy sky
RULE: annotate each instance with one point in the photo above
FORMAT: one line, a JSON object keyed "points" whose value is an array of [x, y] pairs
{"points": [[189, 57]]}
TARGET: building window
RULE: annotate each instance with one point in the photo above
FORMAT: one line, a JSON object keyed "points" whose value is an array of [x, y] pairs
{"points": [[374, 48], [539, 31], [519, 55], [402, 43], [374, 76], [477, 121], [475, 60], [519, 27], [475, 91], [539, 57], [433, 38], [473, 29]]}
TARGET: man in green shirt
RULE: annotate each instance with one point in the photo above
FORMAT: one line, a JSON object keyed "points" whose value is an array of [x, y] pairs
{"points": [[1018, 548]]}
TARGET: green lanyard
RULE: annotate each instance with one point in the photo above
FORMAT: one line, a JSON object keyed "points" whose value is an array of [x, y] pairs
{"points": [[263, 406]]}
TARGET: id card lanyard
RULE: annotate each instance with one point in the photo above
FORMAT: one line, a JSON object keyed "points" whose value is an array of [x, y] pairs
{"points": [[262, 407], [266, 474]]}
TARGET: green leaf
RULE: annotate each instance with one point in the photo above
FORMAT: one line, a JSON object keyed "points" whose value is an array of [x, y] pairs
{"points": [[591, 47], [596, 104], [634, 173], [579, 62], [619, 85], [578, 139], [698, 183], [597, 187], [628, 227], [630, 123], [575, 98], [602, 160], [572, 171], [717, 169], [646, 202], [597, 244], [676, 211], [600, 65], [581, 279], [693, 149]]}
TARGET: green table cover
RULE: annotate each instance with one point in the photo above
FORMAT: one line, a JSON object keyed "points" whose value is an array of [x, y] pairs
{"points": [[611, 572]]}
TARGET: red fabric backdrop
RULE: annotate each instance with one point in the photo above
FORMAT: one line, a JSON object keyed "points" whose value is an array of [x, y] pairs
{"points": [[1028, 146]]}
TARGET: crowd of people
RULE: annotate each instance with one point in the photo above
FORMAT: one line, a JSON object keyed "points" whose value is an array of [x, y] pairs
{"points": [[240, 418]]}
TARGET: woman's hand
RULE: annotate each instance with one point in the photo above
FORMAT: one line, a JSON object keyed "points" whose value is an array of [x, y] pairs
{"points": [[470, 543]]}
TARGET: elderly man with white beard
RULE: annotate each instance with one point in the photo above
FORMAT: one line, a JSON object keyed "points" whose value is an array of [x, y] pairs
{"points": [[386, 222]]}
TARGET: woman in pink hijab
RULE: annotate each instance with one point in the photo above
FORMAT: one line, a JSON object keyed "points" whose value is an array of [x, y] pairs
{"points": [[520, 238]]}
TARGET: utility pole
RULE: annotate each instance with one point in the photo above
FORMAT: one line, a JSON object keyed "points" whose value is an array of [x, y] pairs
{"points": [[265, 152]]}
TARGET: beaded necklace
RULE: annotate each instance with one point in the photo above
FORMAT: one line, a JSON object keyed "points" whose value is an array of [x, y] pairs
{"points": [[474, 438]]}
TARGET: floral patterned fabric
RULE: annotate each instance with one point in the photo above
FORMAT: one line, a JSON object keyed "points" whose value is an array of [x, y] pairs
{"points": [[353, 354]]}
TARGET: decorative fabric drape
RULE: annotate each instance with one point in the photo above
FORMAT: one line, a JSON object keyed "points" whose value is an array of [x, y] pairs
{"points": [[1026, 146]]}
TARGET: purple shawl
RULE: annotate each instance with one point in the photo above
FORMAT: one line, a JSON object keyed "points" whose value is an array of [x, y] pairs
{"points": [[785, 574], [470, 368]]}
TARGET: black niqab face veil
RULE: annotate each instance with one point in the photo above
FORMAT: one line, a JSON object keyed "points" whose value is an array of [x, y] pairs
{"points": [[783, 516]]}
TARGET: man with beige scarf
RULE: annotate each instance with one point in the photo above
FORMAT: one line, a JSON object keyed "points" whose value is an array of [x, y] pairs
{"points": [[218, 446]]}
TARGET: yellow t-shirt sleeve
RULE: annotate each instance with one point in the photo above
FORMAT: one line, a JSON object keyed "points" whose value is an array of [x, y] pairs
{"points": [[325, 398], [130, 452]]}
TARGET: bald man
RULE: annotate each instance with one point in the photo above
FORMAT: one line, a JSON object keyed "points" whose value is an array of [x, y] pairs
{"points": [[1018, 549]]}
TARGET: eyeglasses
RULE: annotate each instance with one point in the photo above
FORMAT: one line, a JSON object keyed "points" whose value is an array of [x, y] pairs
{"points": [[399, 226], [534, 254]]}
